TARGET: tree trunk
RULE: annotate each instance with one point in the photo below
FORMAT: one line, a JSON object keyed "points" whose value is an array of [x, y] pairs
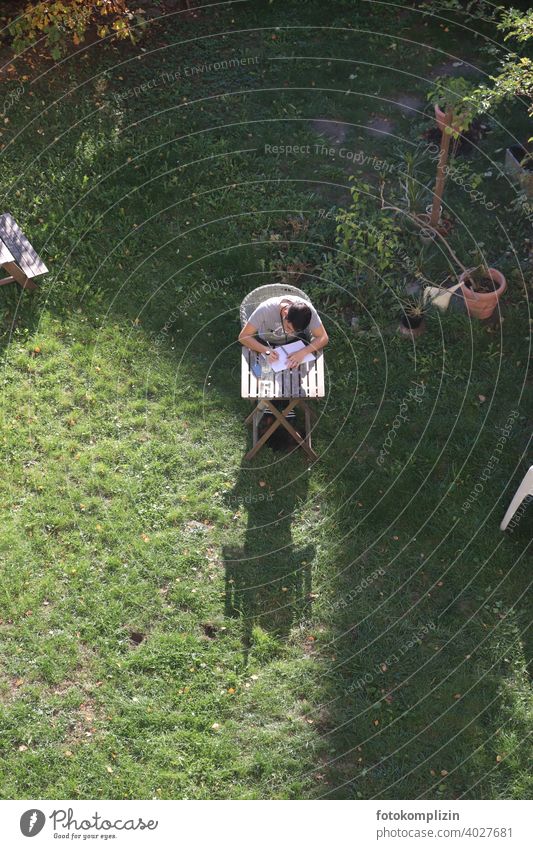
{"points": [[441, 170]]}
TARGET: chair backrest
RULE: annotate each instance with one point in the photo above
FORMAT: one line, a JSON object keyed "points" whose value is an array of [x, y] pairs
{"points": [[273, 290]]}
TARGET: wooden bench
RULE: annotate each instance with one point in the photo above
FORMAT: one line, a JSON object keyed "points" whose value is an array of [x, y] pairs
{"points": [[296, 386], [17, 256]]}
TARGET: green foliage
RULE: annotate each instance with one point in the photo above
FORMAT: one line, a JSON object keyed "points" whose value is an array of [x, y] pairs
{"points": [[455, 94], [369, 240], [413, 187], [64, 21], [517, 24], [515, 77], [382, 252]]}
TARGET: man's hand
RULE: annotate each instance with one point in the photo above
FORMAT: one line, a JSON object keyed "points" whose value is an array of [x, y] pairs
{"points": [[295, 359], [271, 354]]}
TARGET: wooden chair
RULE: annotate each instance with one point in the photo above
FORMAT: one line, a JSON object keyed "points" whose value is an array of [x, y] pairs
{"points": [[17, 255], [524, 490], [295, 386]]}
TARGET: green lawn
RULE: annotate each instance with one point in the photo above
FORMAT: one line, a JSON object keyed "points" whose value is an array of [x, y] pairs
{"points": [[177, 622]]}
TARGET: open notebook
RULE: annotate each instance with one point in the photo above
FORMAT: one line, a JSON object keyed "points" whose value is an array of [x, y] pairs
{"points": [[285, 351]]}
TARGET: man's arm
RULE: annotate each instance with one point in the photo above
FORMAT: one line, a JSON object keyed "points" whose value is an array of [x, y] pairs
{"points": [[320, 340], [247, 338]]}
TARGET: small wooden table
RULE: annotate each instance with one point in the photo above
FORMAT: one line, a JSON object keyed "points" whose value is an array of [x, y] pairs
{"points": [[296, 386]]}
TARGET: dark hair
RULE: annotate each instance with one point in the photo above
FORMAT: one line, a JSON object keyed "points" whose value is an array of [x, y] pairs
{"points": [[299, 315]]}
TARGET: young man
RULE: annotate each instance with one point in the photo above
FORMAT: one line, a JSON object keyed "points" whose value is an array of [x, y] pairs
{"points": [[284, 319]]}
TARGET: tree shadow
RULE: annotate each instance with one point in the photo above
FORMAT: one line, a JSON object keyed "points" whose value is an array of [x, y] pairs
{"points": [[429, 626], [17, 308], [268, 579]]}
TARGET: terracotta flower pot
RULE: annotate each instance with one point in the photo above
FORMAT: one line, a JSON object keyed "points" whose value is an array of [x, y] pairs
{"points": [[483, 304], [440, 117]]}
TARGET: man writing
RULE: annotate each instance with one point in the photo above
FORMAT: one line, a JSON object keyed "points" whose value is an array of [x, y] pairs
{"points": [[284, 319]]}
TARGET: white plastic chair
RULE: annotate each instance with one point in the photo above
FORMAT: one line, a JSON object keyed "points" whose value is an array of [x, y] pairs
{"points": [[524, 490]]}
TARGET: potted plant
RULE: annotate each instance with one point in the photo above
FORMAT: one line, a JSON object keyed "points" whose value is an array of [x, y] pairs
{"points": [[455, 109], [412, 318], [413, 306], [482, 288]]}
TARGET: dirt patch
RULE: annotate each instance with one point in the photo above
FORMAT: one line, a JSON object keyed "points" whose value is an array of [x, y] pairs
{"points": [[409, 104], [333, 131], [454, 68], [380, 125], [84, 724], [210, 630], [196, 527], [333, 195]]}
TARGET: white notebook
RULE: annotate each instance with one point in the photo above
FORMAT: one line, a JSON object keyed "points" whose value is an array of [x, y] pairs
{"points": [[285, 351]]}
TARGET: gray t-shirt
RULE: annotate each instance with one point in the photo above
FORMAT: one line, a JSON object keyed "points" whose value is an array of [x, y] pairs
{"points": [[266, 317]]}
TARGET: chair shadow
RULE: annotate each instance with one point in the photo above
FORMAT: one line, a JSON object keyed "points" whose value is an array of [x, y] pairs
{"points": [[268, 579]]}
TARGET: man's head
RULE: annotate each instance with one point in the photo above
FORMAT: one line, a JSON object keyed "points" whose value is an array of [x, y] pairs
{"points": [[297, 316]]}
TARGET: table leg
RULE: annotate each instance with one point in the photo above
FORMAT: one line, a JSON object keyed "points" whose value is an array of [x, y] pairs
{"points": [[307, 414], [255, 423], [279, 418]]}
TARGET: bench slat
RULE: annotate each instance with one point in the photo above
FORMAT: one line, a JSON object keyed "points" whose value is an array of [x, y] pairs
{"points": [[23, 253]]}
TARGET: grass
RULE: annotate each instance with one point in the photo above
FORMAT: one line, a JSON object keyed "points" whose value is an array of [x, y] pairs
{"points": [[177, 622]]}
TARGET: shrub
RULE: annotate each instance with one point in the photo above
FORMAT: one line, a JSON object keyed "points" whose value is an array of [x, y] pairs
{"points": [[64, 21]]}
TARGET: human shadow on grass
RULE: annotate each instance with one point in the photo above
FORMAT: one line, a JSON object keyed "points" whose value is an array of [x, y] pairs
{"points": [[268, 579]]}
